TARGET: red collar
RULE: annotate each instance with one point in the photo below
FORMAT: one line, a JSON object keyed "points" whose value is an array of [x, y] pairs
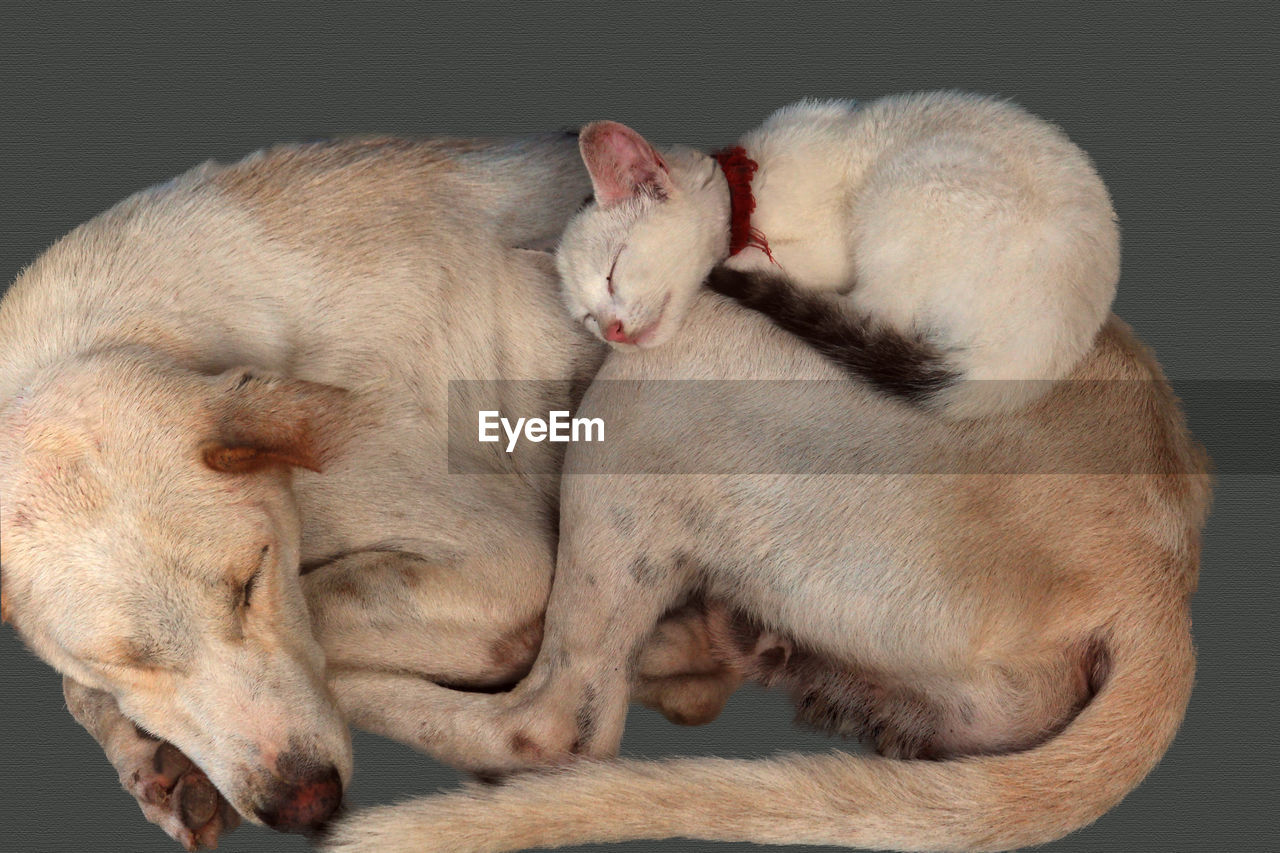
{"points": [[739, 169]]}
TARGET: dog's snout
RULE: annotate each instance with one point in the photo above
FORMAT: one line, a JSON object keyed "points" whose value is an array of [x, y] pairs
{"points": [[305, 805]]}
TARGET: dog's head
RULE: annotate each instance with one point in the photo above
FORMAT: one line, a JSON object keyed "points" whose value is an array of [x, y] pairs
{"points": [[151, 549]]}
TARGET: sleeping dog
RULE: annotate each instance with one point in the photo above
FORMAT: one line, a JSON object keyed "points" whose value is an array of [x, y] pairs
{"points": [[227, 511]]}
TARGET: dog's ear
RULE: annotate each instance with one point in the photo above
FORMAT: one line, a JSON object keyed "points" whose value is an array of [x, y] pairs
{"points": [[264, 421]]}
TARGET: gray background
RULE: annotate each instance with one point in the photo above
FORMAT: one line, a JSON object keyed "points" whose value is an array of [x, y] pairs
{"points": [[1177, 103]]}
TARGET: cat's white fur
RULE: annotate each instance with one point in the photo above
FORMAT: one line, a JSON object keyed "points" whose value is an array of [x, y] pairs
{"points": [[958, 217]]}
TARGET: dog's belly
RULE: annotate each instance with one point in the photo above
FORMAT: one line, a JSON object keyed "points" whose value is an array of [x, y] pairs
{"points": [[1009, 706]]}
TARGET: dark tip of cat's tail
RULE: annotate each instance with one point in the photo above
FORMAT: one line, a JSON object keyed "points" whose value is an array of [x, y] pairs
{"points": [[906, 366], [922, 374]]}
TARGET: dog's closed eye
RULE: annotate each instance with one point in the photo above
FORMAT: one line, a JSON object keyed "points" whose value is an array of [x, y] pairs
{"points": [[246, 591]]}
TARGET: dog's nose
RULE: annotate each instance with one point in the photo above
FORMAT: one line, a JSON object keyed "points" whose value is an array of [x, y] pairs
{"points": [[304, 806]]}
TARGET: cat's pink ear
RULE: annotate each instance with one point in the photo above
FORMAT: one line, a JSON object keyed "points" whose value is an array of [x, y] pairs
{"points": [[622, 164]]}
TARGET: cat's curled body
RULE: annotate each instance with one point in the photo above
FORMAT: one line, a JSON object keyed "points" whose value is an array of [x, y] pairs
{"points": [[920, 241]]}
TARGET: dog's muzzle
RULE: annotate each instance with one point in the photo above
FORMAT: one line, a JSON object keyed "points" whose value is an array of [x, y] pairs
{"points": [[306, 805]]}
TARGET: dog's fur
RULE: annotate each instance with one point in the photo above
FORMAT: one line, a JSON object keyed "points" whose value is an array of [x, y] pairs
{"points": [[1010, 598], [142, 472], [172, 376]]}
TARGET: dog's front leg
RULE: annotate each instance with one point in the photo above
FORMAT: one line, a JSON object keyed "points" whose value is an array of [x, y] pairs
{"points": [[406, 640], [472, 622], [174, 794], [610, 592]]}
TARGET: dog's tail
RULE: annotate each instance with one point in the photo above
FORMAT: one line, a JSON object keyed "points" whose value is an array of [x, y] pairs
{"points": [[995, 802]]}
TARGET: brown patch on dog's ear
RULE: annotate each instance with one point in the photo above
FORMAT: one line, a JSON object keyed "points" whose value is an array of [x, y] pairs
{"points": [[272, 422], [246, 460]]}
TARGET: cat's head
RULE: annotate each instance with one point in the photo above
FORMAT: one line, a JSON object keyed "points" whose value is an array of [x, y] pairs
{"points": [[631, 260]]}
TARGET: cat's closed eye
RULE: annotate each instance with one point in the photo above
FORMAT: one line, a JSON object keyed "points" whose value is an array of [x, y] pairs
{"points": [[609, 278]]}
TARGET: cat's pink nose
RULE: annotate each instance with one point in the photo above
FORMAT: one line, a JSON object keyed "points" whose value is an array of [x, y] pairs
{"points": [[614, 332]]}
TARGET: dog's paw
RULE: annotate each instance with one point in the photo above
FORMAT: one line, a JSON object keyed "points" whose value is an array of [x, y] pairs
{"points": [[689, 700], [569, 718], [175, 795]]}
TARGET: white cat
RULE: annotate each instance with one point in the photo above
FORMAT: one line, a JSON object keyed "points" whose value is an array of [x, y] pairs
{"points": [[917, 241]]}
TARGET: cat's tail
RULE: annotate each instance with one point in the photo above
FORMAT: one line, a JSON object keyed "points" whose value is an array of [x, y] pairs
{"points": [[996, 802]]}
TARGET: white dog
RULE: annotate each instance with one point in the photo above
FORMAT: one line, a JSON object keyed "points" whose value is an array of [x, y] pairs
{"points": [[174, 376], [1031, 631]]}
